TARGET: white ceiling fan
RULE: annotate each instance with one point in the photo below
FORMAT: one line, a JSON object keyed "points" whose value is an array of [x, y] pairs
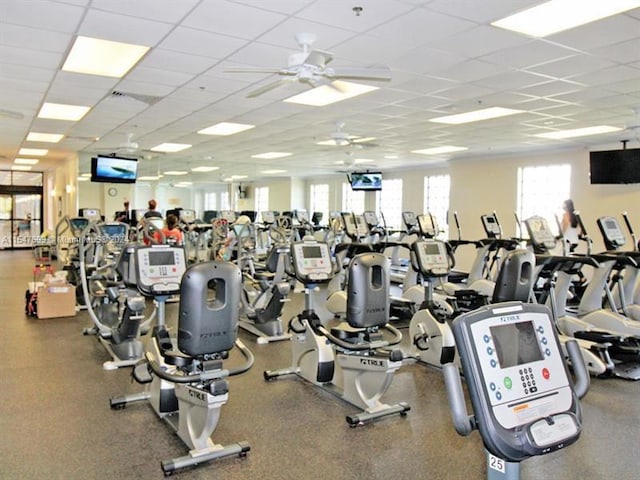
{"points": [[340, 138], [127, 147], [310, 67]]}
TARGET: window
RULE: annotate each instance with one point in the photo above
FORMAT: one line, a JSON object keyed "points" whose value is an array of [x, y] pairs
{"points": [[541, 191], [262, 200], [319, 201], [389, 202], [210, 201], [224, 201], [436, 199], [352, 201]]}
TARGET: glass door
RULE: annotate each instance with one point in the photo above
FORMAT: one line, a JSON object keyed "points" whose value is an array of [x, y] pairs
{"points": [[20, 219], [27, 219], [6, 223]]}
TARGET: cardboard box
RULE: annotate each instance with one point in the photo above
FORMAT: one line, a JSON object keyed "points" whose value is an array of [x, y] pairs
{"points": [[57, 301]]}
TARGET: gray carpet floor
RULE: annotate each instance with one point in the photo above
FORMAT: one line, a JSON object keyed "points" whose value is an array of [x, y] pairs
{"points": [[55, 420]]}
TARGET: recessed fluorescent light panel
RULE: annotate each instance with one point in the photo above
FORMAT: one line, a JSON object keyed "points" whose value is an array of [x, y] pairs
{"points": [[325, 94], [94, 56], [272, 172], [225, 128], [359, 161], [85, 175], [26, 161], [23, 168], [476, 115], [578, 132], [559, 15], [204, 169], [44, 137], [83, 179], [149, 178], [238, 177], [271, 155], [175, 172], [440, 150], [36, 152], [60, 111], [170, 147]]}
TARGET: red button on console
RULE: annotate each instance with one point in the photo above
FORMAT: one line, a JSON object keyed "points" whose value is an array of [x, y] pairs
{"points": [[545, 373]]}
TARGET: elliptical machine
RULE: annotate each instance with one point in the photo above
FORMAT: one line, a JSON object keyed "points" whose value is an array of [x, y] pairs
{"points": [[109, 286], [524, 401], [628, 274], [351, 361], [431, 337], [186, 381]]}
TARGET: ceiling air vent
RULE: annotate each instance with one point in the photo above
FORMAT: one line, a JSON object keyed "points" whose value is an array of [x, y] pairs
{"points": [[126, 96]]}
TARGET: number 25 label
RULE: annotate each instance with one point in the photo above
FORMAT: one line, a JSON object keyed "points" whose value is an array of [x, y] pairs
{"points": [[496, 463]]}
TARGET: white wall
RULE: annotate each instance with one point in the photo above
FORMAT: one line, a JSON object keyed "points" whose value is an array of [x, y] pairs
{"points": [[477, 187]]}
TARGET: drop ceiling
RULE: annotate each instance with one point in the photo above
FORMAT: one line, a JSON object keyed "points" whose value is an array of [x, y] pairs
{"points": [[444, 55]]}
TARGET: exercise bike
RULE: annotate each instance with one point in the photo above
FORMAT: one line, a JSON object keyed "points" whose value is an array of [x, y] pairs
{"points": [[353, 360], [185, 378], [108, 280]]}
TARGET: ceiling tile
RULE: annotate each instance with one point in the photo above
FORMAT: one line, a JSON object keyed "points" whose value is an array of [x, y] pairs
{"points": [[168, 11], [481, 40], [196, 42], [480, 12], [45, 15], [177, 62], [34, 38], [121, 28], [214, 17], [31, 58], [341, 14], [598, 34]]}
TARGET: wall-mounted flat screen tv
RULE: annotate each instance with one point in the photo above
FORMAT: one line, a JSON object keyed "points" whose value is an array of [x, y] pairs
{"points": [[615, 166], [114, 169], [366, 181]]}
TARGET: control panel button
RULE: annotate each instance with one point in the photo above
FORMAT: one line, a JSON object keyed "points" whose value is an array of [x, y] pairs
{"points": [[490, 350], [498, 395], [545, 373], [493, 363], [492, 386], [508, 383], [486, 338]]}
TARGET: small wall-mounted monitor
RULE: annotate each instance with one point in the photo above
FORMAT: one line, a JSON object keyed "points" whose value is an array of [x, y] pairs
{"points": [[114, 169], [366, 181], [615, 166]]}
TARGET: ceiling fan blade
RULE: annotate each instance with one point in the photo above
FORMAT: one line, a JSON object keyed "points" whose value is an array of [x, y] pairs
{"points": [[319, 58], [11, 114], [268, 87], [372, 73], [253, 70]]}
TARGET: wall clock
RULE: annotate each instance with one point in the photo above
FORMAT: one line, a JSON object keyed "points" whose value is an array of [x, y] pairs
{"points": [[112, 192]]}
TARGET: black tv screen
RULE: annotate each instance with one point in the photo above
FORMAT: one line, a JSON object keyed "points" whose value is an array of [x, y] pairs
{"points": [[615, 166], [366, 181], [114, 169]]}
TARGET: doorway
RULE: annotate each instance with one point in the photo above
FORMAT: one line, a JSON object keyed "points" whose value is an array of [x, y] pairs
{"points": [[21, 209]]}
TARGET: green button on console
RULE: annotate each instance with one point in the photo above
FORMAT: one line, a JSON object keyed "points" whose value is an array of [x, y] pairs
{"points": [[507, 383]]}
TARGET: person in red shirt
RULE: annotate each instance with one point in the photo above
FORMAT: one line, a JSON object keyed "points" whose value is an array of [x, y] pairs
{"points": [[170, 234]]}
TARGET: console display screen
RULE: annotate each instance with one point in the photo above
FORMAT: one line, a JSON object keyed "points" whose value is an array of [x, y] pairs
{"points": [[431, 248], [516, 344], [312, 252], [161, 258]]}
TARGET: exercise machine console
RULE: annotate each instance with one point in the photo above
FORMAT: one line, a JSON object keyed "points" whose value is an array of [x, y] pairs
{"points": [[524, 401]]}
